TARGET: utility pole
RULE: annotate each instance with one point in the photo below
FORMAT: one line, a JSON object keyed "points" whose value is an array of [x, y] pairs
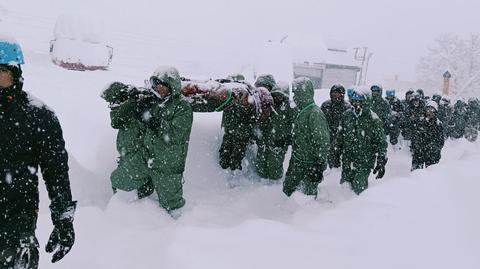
{"points": [[361, 55], [366, 68]]}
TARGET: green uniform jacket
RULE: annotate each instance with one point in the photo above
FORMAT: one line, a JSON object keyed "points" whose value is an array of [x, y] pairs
{"points": [[381, 107], [360, 140], [310, 141], [275, 134], [131, 171], [167, 142]]}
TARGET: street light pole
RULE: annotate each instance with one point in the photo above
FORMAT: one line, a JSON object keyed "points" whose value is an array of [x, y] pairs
{"points": [[361, 58], [446, 82]]}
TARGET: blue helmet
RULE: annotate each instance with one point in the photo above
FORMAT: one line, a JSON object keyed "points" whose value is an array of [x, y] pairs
{"points": [[350, 92], [10, 53], [390, 93], [356, 96]]}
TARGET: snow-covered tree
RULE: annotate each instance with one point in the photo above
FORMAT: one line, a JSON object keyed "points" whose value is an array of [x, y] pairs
{"points": [[460, 56]]}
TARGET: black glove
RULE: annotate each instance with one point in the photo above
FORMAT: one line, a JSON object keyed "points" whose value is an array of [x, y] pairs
{"points": [[63, 235], [315, 173], [380, 168]]}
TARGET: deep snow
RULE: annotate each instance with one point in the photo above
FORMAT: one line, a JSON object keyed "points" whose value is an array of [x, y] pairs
{"points": [[424, 219]]}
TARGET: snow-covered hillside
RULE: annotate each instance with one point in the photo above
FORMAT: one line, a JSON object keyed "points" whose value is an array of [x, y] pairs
{"points": [[421, 219]]}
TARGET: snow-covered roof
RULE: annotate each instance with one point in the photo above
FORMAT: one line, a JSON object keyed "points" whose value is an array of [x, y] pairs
{"points": [[314, 49]]}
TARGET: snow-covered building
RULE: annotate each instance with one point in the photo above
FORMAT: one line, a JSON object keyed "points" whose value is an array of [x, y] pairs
{"points": [[325, 63]]}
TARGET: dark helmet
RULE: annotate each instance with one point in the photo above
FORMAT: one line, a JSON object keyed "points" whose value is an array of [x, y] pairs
{"points": [[436, 98], [408, 94], [376, 88], [421, 93], [337, 88]]}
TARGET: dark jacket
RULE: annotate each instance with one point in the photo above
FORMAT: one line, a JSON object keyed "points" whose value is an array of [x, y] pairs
{"points": [[427, 142], [31, 139], [333, 113]]}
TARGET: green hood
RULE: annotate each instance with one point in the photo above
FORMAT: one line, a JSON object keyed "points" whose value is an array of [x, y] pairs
{"points": [[266, 81], [169, 76], [303, 92]]}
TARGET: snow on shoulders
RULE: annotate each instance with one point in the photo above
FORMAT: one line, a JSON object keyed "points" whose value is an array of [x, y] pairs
{"points": [[235, 85], [432, 104], [36, 102], [374, 115]]}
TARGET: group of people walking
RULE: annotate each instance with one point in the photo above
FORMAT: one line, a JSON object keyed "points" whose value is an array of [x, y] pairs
{"points": [[154, 125], [352, 133]]}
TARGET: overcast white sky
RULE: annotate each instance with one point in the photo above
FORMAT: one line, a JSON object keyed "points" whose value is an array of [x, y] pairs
{"points": [[397, 32]]}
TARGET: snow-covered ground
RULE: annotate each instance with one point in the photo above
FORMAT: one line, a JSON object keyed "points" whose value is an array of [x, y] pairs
{"points": [[421, 219]]}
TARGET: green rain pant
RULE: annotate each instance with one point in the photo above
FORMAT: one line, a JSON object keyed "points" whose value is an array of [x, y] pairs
{"points": [[169, 188], [131, 176], [269, 162], [297, 179], [358, 178], [232, 151], [132, 173]]}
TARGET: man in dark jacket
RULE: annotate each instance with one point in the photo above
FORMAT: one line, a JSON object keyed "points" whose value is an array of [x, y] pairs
{"points": [[379, 105], [445, 114], [238, 123], [395, 118], [360, 143], [31, 139], [427, 139], [412, 115], [459, 120], [406, 101], [333, 110], [473, 119]]}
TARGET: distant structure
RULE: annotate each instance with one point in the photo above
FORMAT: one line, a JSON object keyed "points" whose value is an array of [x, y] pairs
{"points": [[326, 63], [79, 44]]}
